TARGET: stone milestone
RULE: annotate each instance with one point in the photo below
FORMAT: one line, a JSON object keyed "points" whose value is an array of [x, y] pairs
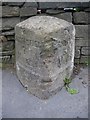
{"points": [[44, 54]]}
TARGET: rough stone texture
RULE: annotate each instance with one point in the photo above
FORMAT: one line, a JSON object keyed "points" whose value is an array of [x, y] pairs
{"points": [[66, 16], [81, 42], [44, 57], [85, 51], [6, 46], [7, 53], [9, 23], [28, 11], [84, 59], [81, 32], [2, 39], [4, 59], [4, 29], [8, 33], [23, 18], [10, 11], [31, 4], [77, 52], [87, 9], [54, 12], [15, 3], [11, 37], [80, 17], [46, 5], [58, 9]]}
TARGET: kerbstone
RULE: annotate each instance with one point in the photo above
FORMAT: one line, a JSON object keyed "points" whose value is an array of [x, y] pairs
{"points": [[44, 54]]}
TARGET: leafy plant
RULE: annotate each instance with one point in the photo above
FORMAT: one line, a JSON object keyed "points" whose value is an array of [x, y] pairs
{"points": [[72, 91], [68, 89]]}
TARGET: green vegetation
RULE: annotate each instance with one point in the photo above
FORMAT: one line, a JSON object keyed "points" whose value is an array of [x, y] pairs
{"points": [[68, 89]]}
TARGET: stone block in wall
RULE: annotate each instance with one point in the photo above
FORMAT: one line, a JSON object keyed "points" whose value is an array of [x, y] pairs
{"points": [[7, 53], [8, 11], [81, 32], [85, 51], [4, 59], [6, 46], [11, 37], [87, 9], [30, 4], [66, 16], [54, 12], [81, 42], [7, 59], [16, 3], [2, 39], [58, 4], [9, 23], [80, 17], [77, 52], [84, 59], [8, 33], [6, 29], [76, 61], [23, 18], [28, 11]]}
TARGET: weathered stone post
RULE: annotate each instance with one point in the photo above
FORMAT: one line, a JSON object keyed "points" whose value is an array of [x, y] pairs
{"points": [[44, 54]]}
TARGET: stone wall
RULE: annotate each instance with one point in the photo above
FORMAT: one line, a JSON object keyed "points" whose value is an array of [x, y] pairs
{"points": [[15, 12]]}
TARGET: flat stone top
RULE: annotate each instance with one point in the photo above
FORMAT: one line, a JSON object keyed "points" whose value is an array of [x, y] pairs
{"points": [[44, 24]]}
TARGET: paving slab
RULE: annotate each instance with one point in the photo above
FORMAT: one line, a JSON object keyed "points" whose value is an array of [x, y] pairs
{"points": [[18, 103]]}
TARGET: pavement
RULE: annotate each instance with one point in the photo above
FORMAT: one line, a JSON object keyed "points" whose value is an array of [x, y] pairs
{"points": [[18, 103]]}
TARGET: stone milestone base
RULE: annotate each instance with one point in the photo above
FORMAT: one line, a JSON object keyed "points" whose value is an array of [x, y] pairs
{"points": [[44, 54]]}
